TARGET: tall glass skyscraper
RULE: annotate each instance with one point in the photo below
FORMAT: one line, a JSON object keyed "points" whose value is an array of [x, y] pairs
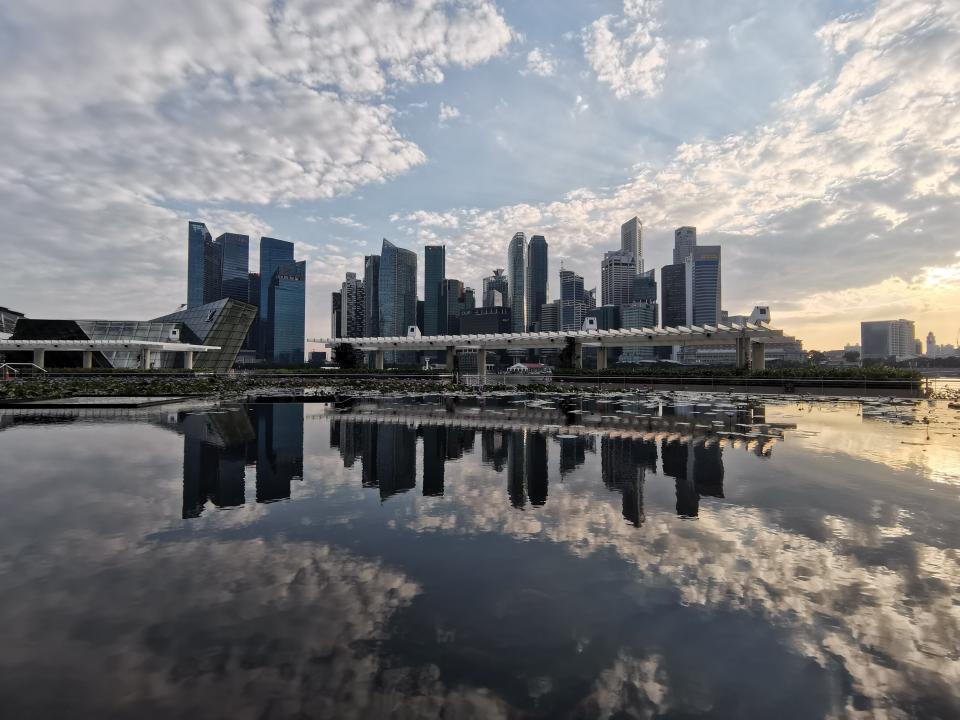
{"points": [[234, 266], [287, 295], [538, 269], [198, 238], [398, 295], [703, 285], [673, 295], [573, 300], [434, 302], [631, 241], [273, 254], [495, 290], [371, 295], [516, 272], [684, 241]]}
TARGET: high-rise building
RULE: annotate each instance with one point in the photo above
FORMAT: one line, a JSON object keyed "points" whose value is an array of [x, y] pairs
{"points": [[234, 266], [645, 287], [516, 272], [273, 254], [883, 339], [496, 290], [398, 296], [631, 241], [199, 284], [550, 316], [703, 285], [931, 345], [288, 293], [617, 273], [352, 307], [371, 295], [538, 268], [638, 315], [253, 297], [434, 301], [684, 241], [485, 321], [336, 315], [673, 294], [573, 300], [453, 295], [469, 299]]}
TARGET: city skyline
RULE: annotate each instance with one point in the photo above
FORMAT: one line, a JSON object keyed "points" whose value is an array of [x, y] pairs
{"points": [[826, 211]]}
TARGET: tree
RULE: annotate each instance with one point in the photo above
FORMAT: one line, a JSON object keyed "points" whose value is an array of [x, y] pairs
{"points": [[851, 356], [344, 356], [568, 354], [817, 357]]}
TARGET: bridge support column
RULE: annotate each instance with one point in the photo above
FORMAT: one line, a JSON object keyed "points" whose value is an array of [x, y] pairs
{"points": [[743, 349], [87, 359], [451, 358], [378, 360], [482, 365], [145, 359], [758, 359], [601, 358], [188, 360], [38, 358], [578, 356]]}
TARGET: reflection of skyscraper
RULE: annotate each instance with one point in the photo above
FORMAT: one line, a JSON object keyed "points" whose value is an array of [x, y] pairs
{"points": [[396, 459], [572, 452], [494, 448], [516, 457], [434, 456], [536, 468], [279, 449], [623, 463], [214, 455], [708, 469], [675, 461]]}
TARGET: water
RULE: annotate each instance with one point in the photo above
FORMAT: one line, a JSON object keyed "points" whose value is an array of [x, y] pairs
{"points": [[680, 556]]}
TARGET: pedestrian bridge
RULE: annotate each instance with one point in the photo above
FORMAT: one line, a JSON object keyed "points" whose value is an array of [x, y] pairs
{"points": [[40, 348], [748, 338]]}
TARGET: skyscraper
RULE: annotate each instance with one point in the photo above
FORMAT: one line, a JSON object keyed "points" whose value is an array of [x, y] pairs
{"points": [[573, 300], [684, 241], [398, 295], [336, 315], [703, 285], [253, 297], [234, 266], [198, 240], [631, 241], [492, 286], [352, 307], [516, 272], [434, 301], [273, 254], [453, 297], [883, 339], [673, 295], [371, 295], [287, 294], [538, 269], [617, 273]]}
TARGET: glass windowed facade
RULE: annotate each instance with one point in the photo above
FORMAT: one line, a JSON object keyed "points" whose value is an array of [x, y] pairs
{"points": [[398, 296], [371, 295], [538, 269], [224, 323], [516, 277], [434, 287], [273, 254], [234, 266], [703, 285], [673, 293], [198, 239], [288, 305]]}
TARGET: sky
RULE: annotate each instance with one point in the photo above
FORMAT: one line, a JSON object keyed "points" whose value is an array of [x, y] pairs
{"points": [[816, 141]]}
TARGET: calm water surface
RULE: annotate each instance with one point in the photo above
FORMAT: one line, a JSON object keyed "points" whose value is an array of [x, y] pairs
{"points": [[667, 556]]}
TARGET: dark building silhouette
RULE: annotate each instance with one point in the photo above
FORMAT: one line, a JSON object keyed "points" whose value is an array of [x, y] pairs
{"points": [[434, 457], [624, 463], [516, 468], [279, 449], [214, 459], [396, 459], [494, 449], [536, 468]]}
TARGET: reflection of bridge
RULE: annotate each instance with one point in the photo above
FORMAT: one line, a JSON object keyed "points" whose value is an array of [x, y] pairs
{"points": [[748, 338]]}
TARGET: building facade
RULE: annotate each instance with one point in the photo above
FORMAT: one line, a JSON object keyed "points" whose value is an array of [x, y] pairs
{"points": [[684, 241], [516, 277], [485, 321], [398, 296], [434, 290], [703, 285], [371, 294], [573, 301], [631, 241], [234, 266], [273, 254], [673, 295], [199, 284], [496, 290], [538, 270], [617, 273], [884, 339], [287, 293], [352, 307]]}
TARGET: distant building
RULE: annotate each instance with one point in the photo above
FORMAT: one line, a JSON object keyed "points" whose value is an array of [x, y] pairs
{"points": [[703, 285], [617, 273], [398, 296], [638, 315], [884, 339], [371, 295], [318, 357], [684, 241], [918, 345], [537, 280], [336, 315], [469, 298], [353, 307], [631, 241], [496, 290], [287, 300], [434, 289], [203, 264], [454, 296], [673, 295], [516, 276], [273, 254], [931, 345], [234, 266], [573, 301], [253, 297], [485, 321], [550, 316]]}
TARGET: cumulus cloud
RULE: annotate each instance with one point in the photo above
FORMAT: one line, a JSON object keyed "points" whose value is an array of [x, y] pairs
{"points": [[348, 221], [447, 113], [107, 124], [626, 52], [540, 63]]}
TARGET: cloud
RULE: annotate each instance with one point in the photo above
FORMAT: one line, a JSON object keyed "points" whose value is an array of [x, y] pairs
{"points": [[626, 52], [447, 112], [349, 222], [540, 63], [107, 125]]}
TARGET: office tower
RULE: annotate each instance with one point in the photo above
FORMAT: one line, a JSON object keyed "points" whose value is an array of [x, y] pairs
{"points": [[453, 294], [931, 345], [550, 316], [703, 285], [420, 316], [396, 456], [371, 295], [336, 315], [287, 302], [573, 300], [234, 266], [485, 321], [516, 271], [198, 238], [352, 307], [684, 241], [617, 273], [883, 339], [273, 254], [434, 300], [253, 297], [607, 316], [538, 268], [631, 241], [469, 299], [279, 449], [673, 295], [495, 290], [398, 296], [633, 316], [645, 287]]}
